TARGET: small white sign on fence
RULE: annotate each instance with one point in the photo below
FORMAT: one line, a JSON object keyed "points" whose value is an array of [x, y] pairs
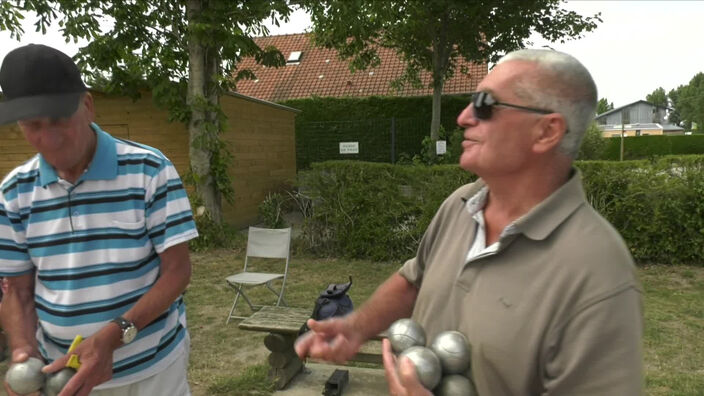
{"points": [[349, 147], [440, 147]]}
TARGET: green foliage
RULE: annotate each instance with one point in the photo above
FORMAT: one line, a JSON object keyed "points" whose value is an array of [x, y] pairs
{"points": [[645, 147], [211, 234], [655, 205], [688, 103], [428, 149], [184, 52], [657, 97], [272, 209], [603, 106], [373, 210], [593, 144], [433, 36], [325, 121], [380, 211]]}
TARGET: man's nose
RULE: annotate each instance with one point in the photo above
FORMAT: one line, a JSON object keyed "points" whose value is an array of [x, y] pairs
{"points": [[466, 118]]}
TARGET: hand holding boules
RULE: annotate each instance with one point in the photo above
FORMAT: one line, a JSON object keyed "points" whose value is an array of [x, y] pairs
{"points": [[401, 374], [56, 381], [25, 377], [405, 333]]}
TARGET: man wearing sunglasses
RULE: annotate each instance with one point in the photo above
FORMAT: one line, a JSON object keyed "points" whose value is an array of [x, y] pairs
{"points": [[541, 285]]}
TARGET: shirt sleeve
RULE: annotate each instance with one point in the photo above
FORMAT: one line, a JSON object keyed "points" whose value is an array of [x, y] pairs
{"points": [[599, 351], [168, 212], [14, 256], [414, 268]]}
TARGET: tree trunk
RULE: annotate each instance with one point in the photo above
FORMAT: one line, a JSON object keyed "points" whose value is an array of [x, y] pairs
{"points": [[441, 60], [198, 93], [435, 121]]}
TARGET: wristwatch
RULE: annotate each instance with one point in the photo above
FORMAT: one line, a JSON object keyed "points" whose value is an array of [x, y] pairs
{"points": [[129, 330]]}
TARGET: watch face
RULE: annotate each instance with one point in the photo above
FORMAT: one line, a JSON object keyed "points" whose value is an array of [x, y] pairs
{"points": [[129, 334]]}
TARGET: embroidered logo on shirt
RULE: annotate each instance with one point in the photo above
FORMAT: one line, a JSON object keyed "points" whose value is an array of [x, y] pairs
{"points": [[505, 302]]}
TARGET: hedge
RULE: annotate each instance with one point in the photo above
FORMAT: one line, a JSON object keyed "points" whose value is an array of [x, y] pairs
{"points": [[644, 147], [380, 211], [324, 122]]}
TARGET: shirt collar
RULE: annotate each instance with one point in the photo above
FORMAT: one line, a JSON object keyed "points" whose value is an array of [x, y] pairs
{"points": [[545, 217], [542, 219], [102, 167]]}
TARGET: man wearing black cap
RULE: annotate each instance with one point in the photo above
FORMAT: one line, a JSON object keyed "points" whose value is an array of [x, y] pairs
{"points": [[93, 240]]}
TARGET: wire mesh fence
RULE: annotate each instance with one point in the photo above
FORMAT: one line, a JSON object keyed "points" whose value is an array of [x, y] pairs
{"points": [[374, 140]]}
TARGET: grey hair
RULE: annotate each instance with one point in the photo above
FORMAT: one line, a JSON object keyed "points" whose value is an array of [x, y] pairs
{"points": [[564, 86]]}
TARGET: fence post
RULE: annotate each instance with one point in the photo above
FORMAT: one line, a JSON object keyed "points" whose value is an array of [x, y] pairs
{"points": [[393, 140]]}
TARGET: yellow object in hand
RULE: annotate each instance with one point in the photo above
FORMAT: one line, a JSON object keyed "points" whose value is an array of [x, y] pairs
{"points": [[73, 361]]}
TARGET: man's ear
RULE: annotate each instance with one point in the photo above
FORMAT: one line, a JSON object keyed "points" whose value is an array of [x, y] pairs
{"points": [[88, 103], [551, 129]]}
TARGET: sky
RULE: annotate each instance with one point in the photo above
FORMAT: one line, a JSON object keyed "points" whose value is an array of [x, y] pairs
{"points": [[639, 46]]}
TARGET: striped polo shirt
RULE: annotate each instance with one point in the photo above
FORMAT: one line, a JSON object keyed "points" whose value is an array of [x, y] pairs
{"points": [[95, 248]]}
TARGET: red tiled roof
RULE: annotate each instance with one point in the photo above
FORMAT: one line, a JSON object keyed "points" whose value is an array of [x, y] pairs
{"points": [[321, 73]]}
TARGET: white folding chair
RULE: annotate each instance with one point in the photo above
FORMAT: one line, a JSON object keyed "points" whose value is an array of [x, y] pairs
{"points": [[262, 243]]}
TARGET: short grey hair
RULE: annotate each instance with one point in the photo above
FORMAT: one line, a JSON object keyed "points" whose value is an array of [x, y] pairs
{"points": [[562, 85]]}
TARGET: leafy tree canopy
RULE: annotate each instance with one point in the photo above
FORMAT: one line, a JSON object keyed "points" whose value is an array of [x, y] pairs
{"points": [[432, 35], [688, 104], [183, 51], [658, 97], [603, 105]]}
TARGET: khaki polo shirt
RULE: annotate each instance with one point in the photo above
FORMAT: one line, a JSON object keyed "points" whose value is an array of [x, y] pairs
{"points": [[556, 310]]}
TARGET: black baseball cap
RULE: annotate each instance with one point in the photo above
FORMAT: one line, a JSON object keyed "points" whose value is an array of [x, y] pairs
{"points": [[39, 81]]}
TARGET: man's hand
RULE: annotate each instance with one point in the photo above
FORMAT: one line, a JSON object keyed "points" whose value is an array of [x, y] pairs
{"points": [[403, 380], [333, 340], [95, 356], [19, 355]]}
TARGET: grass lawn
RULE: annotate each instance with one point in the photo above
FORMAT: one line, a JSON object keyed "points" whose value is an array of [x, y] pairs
{"points": [[228, 361]]}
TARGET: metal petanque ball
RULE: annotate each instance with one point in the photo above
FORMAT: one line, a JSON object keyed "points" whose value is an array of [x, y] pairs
{"points": [[405, 333], [452, 348], [25, 377], [456, 385], [56, 381], [427, 365]]}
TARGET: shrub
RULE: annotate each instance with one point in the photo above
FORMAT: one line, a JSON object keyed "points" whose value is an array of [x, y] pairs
{"points": [[645, 147], [593, 144], [373, 210], [380, 211], [272, 209], [211, 234]]}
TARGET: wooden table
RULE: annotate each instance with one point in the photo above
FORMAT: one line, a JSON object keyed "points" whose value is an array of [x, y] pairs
{"points": [[282, 324]]}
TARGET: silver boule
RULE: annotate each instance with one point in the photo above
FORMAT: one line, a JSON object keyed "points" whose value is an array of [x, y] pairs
{"points": [[25, 377], [56, 381], [427, 365], [456, 385], [452, 348], [405, 333]]}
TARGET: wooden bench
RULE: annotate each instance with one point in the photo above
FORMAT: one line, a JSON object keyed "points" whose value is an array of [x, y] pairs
{"points": [[283, 324]]}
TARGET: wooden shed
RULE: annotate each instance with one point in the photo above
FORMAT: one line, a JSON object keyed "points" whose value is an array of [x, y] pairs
{"points": [[260, 134]]}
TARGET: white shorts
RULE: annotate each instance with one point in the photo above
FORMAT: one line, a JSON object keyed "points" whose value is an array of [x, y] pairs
{"points": [[173, 382]]}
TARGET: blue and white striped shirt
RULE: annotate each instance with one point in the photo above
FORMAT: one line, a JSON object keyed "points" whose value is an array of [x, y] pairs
{"points": [[95, 247]]}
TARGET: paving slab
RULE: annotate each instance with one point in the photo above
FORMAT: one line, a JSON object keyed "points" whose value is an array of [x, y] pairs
{"points": [[362, 381]]}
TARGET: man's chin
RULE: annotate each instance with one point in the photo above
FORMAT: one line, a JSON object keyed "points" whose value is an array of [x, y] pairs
{"points": [[467, 163]]}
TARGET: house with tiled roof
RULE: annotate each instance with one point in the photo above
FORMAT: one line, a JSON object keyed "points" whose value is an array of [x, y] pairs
{"points": [[640, 118], [314, 71]]}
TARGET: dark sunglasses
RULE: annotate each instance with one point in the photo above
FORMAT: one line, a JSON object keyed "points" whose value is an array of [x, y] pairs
{"points": [[484, 102]]}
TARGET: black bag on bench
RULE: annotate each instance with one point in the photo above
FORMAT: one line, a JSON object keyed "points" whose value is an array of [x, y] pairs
{"points": [[333, 301]]}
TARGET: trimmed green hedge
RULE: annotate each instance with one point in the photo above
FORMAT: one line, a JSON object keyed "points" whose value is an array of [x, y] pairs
{"points": [[380, 211], [343, 109], [324, 122], [644, 147]]}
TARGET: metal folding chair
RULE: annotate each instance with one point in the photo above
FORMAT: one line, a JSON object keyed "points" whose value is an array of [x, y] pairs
{"points": [[262, 243]]}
